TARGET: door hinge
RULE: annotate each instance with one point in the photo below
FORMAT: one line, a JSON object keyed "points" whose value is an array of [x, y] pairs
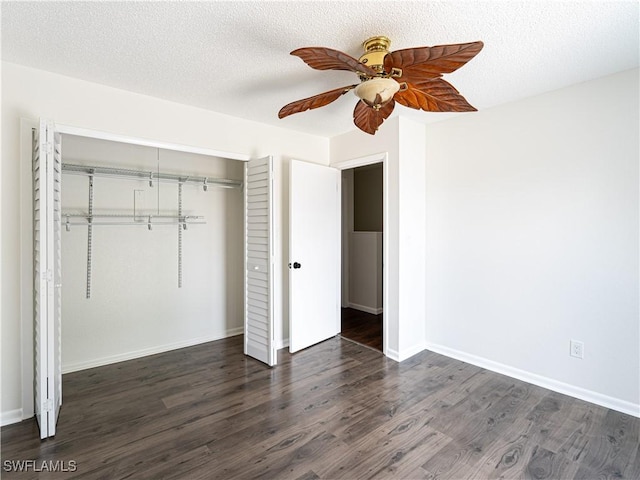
{"points": [[48, 146], [48, 405], [47, 275]]}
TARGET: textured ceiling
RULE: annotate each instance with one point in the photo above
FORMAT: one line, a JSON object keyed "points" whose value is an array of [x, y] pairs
{"points": [[233, 57]]}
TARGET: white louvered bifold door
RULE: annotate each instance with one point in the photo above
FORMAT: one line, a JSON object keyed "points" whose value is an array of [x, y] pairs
{"points": [[40, 283], [55, 289], [46, 276], [259, 341]]}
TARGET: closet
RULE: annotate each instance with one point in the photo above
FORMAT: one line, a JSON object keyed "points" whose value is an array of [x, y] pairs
{"points": [[140, 247], [151, 249]]}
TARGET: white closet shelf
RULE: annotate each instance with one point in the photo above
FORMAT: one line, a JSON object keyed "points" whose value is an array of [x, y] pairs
{"points": [[150, 175], [180, 220]]}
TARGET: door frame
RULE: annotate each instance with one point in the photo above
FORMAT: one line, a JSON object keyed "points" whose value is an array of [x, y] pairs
{"points": [[382, 157], [26, 231]]}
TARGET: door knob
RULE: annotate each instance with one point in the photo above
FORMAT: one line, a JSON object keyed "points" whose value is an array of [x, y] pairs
{"points": [[296, 265]]}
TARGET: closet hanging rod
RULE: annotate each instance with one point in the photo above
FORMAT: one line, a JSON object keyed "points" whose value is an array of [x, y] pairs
{"points": [[143, 223], [131, 215], [152, 176], [117, 219]]}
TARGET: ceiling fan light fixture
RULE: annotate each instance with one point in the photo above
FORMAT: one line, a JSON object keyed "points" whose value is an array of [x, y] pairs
{"points": [[377, 91], [409, 77]]}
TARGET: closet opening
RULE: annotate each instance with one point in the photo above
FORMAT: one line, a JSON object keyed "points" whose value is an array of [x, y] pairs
{"points": [[151, 250], [362, 255]]}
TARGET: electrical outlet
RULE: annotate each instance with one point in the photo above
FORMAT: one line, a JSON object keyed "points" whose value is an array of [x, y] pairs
{"points": [[576, 349]]}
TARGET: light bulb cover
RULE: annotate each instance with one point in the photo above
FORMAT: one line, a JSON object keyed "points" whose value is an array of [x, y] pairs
{"points": [[368, 91]]}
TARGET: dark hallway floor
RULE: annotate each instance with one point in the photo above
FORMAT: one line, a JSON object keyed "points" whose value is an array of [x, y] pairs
{"points": [[362, 327]]}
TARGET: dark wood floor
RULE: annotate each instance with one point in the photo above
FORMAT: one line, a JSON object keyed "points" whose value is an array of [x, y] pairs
{"points": [[335, 410], [362, 327]]}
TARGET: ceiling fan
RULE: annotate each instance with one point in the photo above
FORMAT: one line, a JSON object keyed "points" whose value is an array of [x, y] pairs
{"points": [[410, 77]]}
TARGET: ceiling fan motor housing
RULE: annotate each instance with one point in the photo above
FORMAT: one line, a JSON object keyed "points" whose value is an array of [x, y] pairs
{"points": [[375, 48]]}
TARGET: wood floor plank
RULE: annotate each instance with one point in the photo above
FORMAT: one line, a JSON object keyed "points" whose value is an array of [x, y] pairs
{"points": [[487, 421], [515, 446], [508, 453], [612, 448], [542, 464], [633, 469], [572, 436], [399, 446], [335, 410]]}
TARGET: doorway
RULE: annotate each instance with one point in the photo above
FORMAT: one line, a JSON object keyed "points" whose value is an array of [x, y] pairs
{"points": [[362, 255]]}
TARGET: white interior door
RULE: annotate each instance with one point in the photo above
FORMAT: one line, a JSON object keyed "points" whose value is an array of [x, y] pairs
{"points": [[314, 246], [259, 338], [47, 276]]}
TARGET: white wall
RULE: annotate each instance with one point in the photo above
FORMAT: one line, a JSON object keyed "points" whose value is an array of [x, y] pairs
{"points": [[136, 307], [31, 93], [365, 271], [532, 239], [412, 237]]}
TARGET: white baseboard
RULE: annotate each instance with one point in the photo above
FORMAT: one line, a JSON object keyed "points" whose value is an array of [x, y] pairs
{"points": [[404, 354], [364, 308], [11, 416], [283, 343], [567, 389], [392, 354], [122, 357]]}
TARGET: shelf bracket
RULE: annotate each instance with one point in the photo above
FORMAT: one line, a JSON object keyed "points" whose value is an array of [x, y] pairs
{"points": [[180, 228], [89, 236]]}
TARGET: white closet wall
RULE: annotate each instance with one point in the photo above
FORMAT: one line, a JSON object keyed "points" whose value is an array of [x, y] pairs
{"points": [[136, 307]]}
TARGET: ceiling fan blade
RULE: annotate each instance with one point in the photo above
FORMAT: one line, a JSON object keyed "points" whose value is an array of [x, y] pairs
{"points": [[369, 119], [322, 58], [433, 95], [316, 101], [431, 62]]}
